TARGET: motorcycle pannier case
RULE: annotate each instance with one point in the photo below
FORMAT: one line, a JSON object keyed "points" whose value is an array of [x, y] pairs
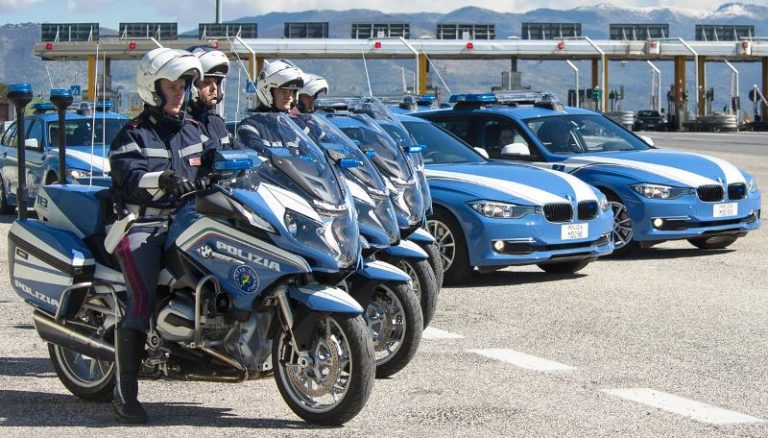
{"points": [[44, 261]]}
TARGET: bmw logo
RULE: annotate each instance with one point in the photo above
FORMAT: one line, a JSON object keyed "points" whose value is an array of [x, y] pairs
{"points": [[246, 279], [205, 251], [568, 197]]}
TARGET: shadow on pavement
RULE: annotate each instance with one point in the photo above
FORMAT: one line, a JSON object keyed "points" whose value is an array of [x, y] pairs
{"points": [[25, 367], [664, 253], [40, 409], [511, 278]]}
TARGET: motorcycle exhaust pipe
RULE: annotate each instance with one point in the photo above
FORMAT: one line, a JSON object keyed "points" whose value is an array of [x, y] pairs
{"points": [[71, 338]]}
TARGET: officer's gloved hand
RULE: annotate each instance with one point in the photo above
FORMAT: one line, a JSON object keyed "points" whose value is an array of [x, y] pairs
{"points": [[171, 182], [206, 182]]}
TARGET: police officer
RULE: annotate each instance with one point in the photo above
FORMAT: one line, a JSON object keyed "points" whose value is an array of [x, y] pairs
{"points": [[155, 160], [308, 94], [276, 90], [208, 92]]}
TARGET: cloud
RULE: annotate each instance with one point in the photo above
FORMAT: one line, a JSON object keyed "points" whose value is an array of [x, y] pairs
{"points": [[16, 5]]}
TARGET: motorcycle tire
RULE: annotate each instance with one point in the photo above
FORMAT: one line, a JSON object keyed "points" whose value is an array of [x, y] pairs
{"points": [[350, 336], [395, 323]]}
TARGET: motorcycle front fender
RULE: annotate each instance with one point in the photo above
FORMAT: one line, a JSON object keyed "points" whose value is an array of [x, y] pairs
{"points": [[383, 272], [325, 299], [422, 236], [406, 250]]}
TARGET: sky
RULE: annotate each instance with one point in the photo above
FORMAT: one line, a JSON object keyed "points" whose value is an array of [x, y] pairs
{"points": [[188, 13]]}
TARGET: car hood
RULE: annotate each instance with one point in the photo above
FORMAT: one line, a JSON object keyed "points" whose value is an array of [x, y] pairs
{"points": [[508, 182], [661, 166], [80, 157]]}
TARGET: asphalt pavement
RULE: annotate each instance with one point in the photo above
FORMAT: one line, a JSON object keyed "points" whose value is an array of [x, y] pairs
{"points": [[669, 343]]}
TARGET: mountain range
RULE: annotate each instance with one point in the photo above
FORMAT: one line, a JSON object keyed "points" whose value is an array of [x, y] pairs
{"points": [[17, 62]]}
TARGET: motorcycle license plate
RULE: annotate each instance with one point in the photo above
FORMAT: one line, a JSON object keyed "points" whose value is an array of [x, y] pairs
{"points": [[574, 231], [725, 210]]}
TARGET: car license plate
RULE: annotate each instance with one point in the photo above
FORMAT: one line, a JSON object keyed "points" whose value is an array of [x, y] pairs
{"points": [[725, 210], [574, 231]]}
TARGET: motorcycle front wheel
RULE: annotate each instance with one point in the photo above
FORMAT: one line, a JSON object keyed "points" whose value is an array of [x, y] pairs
{"points": [[332, 382]]}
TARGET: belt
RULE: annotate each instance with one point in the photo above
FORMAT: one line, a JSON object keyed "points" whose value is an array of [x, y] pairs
{"points": [[149, 211]]}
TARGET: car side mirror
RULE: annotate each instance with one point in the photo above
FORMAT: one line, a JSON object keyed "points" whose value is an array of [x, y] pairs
{"points": [[482, 152], [648, 140], [31, 143], [515, 149]]}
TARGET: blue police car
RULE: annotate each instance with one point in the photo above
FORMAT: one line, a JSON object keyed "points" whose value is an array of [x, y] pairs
{"points": [[491, 214], [86, 135], [656, 195]]}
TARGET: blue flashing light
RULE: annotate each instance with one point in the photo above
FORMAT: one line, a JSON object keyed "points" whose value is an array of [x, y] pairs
{"points": [[61, 93], [19, 89], [428, 97], [479, 98], [233, 164], [417, 149], [42, 107], [348, 163], [105, 106], [370, 153]]}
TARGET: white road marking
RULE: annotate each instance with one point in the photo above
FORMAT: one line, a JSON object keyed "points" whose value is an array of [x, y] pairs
{"points": [[682, 406], [436, 333], [522, 360]]}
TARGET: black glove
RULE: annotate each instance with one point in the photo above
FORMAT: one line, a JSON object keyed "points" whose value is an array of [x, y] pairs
{"points": [[206, 182], [172, 182]]}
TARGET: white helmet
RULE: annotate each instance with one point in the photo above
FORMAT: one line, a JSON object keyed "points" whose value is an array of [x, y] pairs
{"points": [[164, 63], [314, 85], [215, 64], [277, 74]]}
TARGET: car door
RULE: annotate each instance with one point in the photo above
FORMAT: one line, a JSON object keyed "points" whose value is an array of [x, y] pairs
{"points": [[35, 158]]}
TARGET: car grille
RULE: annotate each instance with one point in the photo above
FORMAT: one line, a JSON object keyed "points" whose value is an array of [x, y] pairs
{"points": [[710, 193], [587, 210], [558, 212], [737, 191]]}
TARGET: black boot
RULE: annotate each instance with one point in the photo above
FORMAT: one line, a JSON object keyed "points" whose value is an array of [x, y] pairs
{"points": [[129, 348]]}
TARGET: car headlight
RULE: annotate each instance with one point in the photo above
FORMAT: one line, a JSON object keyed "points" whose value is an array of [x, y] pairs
{"points": [[501, 209], [751, 185], [658, 191], [603, 204], [77, 173]]}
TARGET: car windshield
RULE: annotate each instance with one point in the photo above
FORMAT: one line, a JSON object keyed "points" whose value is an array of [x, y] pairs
{"points": [[442, 147], [583, 134], [648, 113], [293, 159], [81, 132]]}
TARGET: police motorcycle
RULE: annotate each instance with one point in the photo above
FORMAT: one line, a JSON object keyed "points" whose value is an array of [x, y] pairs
{"points": [[380, 112], [398, 175], [392, 309], [237, 288]]}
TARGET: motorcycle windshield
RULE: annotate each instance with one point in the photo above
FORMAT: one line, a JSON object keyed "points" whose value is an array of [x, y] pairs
{"points": [[376, 215], [292, 159], [389, 158], [337, 145]]}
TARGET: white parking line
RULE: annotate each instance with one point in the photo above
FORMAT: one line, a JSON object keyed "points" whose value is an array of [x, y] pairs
{"points": [[436, 333], [522, 360], [682, 406]]}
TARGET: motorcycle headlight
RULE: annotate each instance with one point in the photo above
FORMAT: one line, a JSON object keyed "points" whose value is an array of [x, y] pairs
{"points": [[658, 191], [502, 210], [332, 235], [751, 185]]}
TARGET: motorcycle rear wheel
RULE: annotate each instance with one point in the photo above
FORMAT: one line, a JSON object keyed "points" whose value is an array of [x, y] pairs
{"points": [[336, 383]]}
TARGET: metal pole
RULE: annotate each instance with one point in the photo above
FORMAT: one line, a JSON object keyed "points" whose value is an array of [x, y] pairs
{"points": [[696, 63], [576, 74], [604, 84], [61, 98], [656, 74], [736, 75], [20, 95], [218, 11], [416, 54]]}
